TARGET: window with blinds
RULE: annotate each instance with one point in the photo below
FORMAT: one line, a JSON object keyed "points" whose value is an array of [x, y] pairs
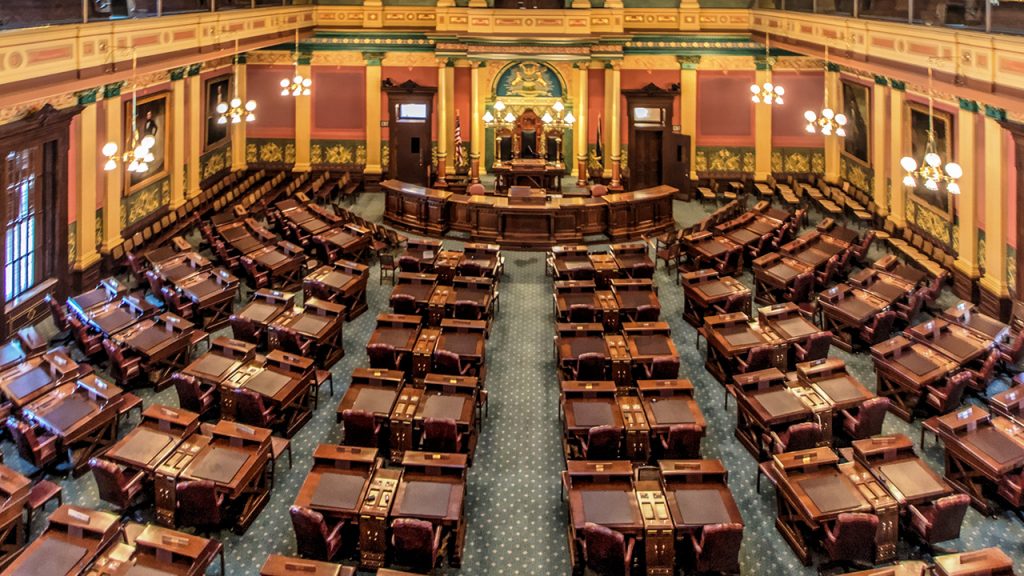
{"points": [[21, 268]]}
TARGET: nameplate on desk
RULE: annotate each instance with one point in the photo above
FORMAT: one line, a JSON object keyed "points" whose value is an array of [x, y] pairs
{"points": [[1011, 396], [298, 567], [963, 414], [245, 429], [168, 412], [819, 361], [60, 360], [79, 516], [174, 540]]}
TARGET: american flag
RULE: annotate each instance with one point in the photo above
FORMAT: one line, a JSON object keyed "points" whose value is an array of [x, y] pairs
{"points": [[458, 140]]}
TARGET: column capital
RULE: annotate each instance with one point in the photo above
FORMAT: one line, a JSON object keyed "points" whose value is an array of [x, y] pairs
{"points": [[997, 114], [832, 67], [762, 62], [688, 62], [881, 80], [176, 74], [476, 63], [613, 65], [445, 62], [581, 64], [968, 105], [112, 90], [194, 70], [373, 58], [242, 58], [86, 97], [898, 85], [304, 58]]}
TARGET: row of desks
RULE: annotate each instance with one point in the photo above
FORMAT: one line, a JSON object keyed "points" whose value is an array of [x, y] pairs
{"points": [[574, 262], [318, 321], [627, 354], [623, 300], [430, 256], [435, 301], [415, 343]]}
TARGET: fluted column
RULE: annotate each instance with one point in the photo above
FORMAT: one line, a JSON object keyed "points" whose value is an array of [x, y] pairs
{"points": [[476, 121], [582, 144], [304, 117], [762, 125], [443, 90], [688, 105], [194, 86], [616, 125], [238, 131], [833, 144], [994, 283], [966, 272], [177, 151], [373, 169], [606, 122], [85, 176], [449, 108], [113, 179], [897, 191], [879, 132]]}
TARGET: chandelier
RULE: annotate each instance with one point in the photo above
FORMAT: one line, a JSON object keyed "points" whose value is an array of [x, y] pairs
{"points": [[497, 120], [234, 111], [138, 154], [767, 93], [930, 172], [558, 121], [297, 85], [829, 122]]}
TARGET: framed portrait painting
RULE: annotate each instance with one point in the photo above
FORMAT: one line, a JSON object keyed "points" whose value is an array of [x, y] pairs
{"points": [[917, 133], [857, 107], [151, 119], [217, 90]]}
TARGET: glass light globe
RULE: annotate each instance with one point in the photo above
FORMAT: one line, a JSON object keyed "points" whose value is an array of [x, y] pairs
{"points": [[306, 83], [932, 159], [954, 171], [134, 166], [306, 92], [909, 181], [284, 83], [236, 102], [931, 184], [780, 91], [236, 119], [754, 88], [841, 132], [143, 167], [297, 79], [826, 130], [558, 106], [768, 86], [110, 165], [510, 117], [149, 157], [222, 120], [767, 99], [755, 99], [778, 99], [953, 188], [908, 163], [148, 141], [841, 119], [499, 105], [810, 116], [139, 151], [250, 105], [251, 117], [828, 113], [285, 92], [569, 119], [810, 128], [222, 108], [109, 149], [488, 117], [546, 118]]}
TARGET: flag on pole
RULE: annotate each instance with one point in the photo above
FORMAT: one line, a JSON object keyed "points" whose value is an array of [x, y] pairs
{"points": [[599, 150], [458, 140]]}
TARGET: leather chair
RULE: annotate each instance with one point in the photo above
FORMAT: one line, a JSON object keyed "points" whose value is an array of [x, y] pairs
{"points": [[250, 409], [417, 544], [476, 189], [468, 310], [869, 419], [382, 355], [197, 504], [940, 520], [405, 304], [387, 263], [823, 277], [946, 398], [606, 551], [582, 273], [408, 264], [90, 343], [851, 539], [879, 328], [756, 249], [450, 363], [646, 313], [641, 270], [682, 442], [733, 303], [115, 486], [291, 342], [662, 368], [469, 270], [441, 435], [34, 446], [598, 190], [1011, 488], [982, 376], [717, 549], [589, 366], [906, 312], [177, 304], [758, 358], [602, 443], [859, 252], [582, 313], [814, 348], [361, 428], [799, 291], [123, 369], [58, 312], [135, 265], [314, 538], [260, 277], [156, 283], [799, 436], [246, 329], [1012, 354], [729, 262], [194, 395]]}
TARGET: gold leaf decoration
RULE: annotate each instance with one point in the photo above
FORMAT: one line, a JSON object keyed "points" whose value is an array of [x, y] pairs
{"points": [[250, 152], [777, 161], [271, 152]]}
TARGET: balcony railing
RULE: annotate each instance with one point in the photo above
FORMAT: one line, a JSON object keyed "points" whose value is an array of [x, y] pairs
{"points": [[30, 13]]}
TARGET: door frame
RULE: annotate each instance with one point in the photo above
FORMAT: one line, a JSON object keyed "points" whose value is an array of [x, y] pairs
{"points": [[408, 92], [650, 96]]}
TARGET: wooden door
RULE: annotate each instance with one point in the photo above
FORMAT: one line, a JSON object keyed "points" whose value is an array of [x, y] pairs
{"points": [[410, 108], [645, 166], [677, 162]]}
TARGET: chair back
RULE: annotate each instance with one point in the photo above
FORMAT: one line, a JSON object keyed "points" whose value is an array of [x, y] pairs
{"points": [[664, 368], [111, 482], [413, 542], [641, 270], [468, 310], [647, 313], [735, 303], [25, 439], [598, 190], [387, 260], [880, 328], [440, 435], [360, 428], [719, 549], [197, 504], [249, 407], [404, 304], [582, 313], [447, 362], [156, 283], [311, 533], [816, 347], [382, 355], [290, 341], [870, 417], [471, 269], [758, 358], [57, 311], [1015, 350], [603, 442], [853, 538], [245, 329], [802, 436], [947, 517], [408, 264], [800, 291], [683, 442], [954, 390], [590, 366], [476, 189], [604, 549], [188, 390]]}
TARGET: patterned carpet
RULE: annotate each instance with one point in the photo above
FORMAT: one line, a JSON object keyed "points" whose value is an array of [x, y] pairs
{"points": [[516, 522]]}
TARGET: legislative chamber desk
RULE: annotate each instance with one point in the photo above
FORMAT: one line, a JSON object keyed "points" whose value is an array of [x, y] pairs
{"points": [[109, 289], [730, 336], [277, 565], [164, 343], [698, 495], [585, 405], [283, 380], [35, 376], [433, 488], [439, 398], [573, 340], [965, 314], [264, 307], [886, 286], [234, 457], [962, 345], [981, 450], [704, 289], [775, 274], [373, 390], [342, 282], [14, 490], [72, 539], [904, 370], [985, 562], [152, 550], [891, 459], [338, 483], [402, 332], [148, 445], [846, 310], [318, 322], [813, 489], [501, 219]]}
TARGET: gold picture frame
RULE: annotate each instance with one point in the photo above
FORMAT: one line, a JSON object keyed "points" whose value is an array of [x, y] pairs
{"points": [[915, 139], [857, 108], [215, 91], [153, 114]]}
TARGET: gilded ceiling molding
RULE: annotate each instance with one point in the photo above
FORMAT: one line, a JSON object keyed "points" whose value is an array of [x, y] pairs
{"points": [[338, 59], [721, 62], [414, 59], [650, 62], [20, 111]]}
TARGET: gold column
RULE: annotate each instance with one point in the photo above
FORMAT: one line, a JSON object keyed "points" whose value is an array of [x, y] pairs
{"points": [[303, 117], [194, 85], [373, 170], [833, 144], [762, 125], [238, 131], [688, 105], [177, 152], [113, 180], [606, 122], [994, 282], [879, 159], [616, 123], [967, 202], [476, 122], [582, 138], [897, 191], [85, 216], [443, 90], [449, 105]]}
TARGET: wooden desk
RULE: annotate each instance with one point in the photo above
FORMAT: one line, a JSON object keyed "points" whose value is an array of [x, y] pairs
{"points": [[813, 489], [72, 539], [774, 275], [401, 332], [108, 290], [467, 338], [901, 568], [158, 550], [966, 315], [433, 488], [697, 495], [985, 562], [891, 459], [703, 289], [277, 565], [667, 403], [962, 345], [761, 412], [372, 390], [417, 285], [603, 493], [730, 336], [264, 307], [344, 281], [181, 267], [115, 316], [36, 376], [904, 368], [164, 343], [348, 242], [337, 484], [14, 491], [283, 262], [318, 321], [213, 294], [888, 287], [846, 310], [284, 381], [220, 361], [703, 248], [573, 340], [442, 300], [646, 342]]}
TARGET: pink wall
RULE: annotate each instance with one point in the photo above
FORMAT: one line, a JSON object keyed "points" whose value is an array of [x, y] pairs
{"points": [[275, 114], [339, 103], [803, 91], [422, 75], [636, 79], [725, 115], [595, 103], [463, 102]]}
